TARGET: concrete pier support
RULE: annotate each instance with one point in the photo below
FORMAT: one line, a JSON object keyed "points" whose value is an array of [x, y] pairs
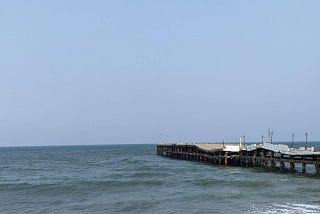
{"points": [[219, 161], [246, 162], [226, 159], [304, 167], [273, 164], [282, 166], [292, 166], [317, 167]]}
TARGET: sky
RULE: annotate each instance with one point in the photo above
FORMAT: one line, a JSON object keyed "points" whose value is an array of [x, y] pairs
{"points": [[121, 72]]}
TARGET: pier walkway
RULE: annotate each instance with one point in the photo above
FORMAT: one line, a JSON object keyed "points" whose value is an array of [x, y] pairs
{"points": [[266, 155]]}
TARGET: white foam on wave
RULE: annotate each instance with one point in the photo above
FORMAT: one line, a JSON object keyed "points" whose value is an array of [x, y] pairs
{"points": [[288, 208]]}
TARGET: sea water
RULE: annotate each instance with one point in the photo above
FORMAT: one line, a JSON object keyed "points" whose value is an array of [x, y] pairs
{"points": [[133, 179]]}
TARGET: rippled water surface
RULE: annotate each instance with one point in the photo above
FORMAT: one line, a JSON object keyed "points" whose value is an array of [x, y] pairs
{"points": [[132, 179]]}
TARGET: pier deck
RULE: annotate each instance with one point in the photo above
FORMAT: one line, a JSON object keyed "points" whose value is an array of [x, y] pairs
{"points": [[274, 156]]}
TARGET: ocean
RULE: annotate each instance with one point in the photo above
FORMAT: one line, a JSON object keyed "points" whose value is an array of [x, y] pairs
{"points": [[133, 179]]}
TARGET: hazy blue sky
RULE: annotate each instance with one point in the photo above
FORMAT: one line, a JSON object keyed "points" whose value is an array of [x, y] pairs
{"points": [[102, 72]]}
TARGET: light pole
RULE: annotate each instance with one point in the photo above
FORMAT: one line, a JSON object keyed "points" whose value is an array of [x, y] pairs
{"points": [[306, 134], [292, 139], [244, 140], [161, 140]]}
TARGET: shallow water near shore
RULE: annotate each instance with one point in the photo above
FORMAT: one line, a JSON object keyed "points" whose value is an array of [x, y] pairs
{"points": [[133, 179]]}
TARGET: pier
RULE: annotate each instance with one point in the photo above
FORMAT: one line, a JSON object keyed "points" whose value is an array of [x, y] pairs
{"points": [[266, 155]]}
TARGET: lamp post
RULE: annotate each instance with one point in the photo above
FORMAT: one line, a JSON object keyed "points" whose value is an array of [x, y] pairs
{"points": [[292, 139], [161, 140], [306, 134]]}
